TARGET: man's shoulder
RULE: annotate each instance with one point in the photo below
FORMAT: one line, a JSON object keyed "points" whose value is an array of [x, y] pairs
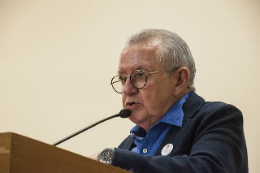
{"points": [[218, 105], [197, 106]]}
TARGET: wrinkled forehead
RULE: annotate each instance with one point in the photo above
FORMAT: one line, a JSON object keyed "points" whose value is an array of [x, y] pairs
{"points": [[141, 56], [145, 69]]}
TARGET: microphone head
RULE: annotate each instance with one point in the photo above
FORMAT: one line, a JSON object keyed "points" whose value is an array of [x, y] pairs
{"points": [[125, 113]]}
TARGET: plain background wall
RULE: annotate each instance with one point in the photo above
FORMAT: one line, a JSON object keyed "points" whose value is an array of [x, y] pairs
{"points": [[57, 58]]}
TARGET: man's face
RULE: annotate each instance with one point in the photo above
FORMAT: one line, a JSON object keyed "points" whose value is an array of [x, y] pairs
{"points": [[149, 104]]}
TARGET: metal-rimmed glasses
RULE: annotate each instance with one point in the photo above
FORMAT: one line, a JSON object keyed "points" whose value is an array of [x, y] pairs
{"points": [[138, 78]]}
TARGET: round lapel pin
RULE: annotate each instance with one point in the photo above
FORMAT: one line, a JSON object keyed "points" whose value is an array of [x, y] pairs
{"points": [[167, 149]]}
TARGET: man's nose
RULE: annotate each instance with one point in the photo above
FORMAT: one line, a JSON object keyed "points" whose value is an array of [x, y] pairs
{"points": [[129, 88]]}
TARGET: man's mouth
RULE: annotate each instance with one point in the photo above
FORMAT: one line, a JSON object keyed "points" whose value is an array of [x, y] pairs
{"points": [[131, 104]]}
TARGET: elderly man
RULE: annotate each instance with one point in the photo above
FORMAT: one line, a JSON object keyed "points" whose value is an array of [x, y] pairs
{"points": [[176, 130]]}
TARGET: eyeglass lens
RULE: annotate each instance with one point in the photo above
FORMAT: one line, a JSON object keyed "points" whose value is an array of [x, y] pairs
{"points": [[138, 79]]}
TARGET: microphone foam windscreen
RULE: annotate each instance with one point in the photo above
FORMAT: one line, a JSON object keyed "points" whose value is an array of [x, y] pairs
{"points": [[125, 113]]}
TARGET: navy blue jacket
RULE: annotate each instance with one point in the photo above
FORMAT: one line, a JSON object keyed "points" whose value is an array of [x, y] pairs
{"points": [[211, 140]]}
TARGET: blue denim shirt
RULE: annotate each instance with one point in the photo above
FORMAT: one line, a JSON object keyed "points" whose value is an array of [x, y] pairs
{"points": [[148, 143]]}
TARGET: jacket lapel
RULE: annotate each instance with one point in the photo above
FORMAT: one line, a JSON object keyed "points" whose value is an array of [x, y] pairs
{"points": [[190, 107]]}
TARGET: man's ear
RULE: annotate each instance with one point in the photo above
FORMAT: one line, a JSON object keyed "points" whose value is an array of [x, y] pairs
{"points": [[182, 80]]}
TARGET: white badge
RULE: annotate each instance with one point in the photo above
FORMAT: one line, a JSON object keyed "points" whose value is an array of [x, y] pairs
{"points": [[167, 149]]}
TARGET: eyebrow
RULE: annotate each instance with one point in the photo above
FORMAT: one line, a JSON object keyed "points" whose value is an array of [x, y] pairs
{"points": [[141, 67]]}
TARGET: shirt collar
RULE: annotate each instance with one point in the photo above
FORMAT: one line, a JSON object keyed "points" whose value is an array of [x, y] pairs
{"points": [[173, 117]]}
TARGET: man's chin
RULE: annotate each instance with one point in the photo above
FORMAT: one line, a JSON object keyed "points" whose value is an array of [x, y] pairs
{"points": [[137, 118]]}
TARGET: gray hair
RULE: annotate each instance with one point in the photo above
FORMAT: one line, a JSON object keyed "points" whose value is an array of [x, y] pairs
{"points": [[172, 50]]}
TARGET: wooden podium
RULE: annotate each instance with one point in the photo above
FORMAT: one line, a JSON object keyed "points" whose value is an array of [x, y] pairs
{"points": [[19, 154]]}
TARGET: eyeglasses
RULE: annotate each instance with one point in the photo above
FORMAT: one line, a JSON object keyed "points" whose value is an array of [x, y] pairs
{"points": [[138, 78]]}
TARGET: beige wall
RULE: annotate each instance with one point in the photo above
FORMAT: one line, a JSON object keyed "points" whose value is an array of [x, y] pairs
{"points": [[57, 59]]}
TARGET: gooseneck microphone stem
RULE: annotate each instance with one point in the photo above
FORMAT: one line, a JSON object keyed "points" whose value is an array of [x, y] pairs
{"points": [[123, 114], [83, 130]]}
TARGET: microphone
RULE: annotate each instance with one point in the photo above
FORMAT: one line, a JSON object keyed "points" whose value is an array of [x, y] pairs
{"points": [[124, 113]]}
